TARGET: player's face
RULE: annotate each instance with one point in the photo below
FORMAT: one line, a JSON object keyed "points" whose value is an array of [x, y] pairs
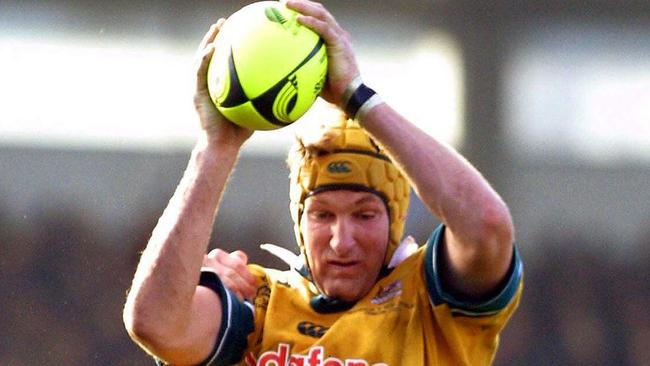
{"points": [[346, 236]]}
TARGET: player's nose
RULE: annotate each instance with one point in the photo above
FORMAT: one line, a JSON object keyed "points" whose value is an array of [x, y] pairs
{"points": [[342, 240]]}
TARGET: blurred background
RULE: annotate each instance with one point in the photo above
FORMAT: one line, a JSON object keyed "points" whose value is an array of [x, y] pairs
{"points": [[549, 99]]}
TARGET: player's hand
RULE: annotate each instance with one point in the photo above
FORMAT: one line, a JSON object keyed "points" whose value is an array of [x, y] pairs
{"points": [[233, 272], [213, 122], [342, 65]]}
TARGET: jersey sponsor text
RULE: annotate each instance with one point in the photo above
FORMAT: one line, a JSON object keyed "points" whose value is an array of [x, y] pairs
{"points": [[315, 357]]}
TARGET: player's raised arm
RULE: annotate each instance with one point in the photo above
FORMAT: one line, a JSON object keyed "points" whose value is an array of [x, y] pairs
{"points": [[166, 312], [479, 233]]}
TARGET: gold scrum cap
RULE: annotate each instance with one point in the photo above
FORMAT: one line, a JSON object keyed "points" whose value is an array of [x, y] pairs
{"points": [[343, 156]]}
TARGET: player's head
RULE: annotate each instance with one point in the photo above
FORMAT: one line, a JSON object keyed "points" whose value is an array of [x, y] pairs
{"points": [[339, 170]]}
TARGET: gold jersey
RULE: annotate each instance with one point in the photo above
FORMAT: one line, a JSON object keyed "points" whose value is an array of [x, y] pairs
{"points": [[406, 319]]}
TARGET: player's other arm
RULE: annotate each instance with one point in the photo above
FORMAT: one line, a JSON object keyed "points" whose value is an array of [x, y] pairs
{"points": [[166, 312], [478, 245]]}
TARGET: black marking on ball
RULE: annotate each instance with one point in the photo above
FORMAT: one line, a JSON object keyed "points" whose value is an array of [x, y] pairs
{"points": [[286, 100], [235, 94], [264, 103]]}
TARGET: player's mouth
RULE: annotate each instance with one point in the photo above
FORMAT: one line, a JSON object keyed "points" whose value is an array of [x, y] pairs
{"points": [[343, 266]]}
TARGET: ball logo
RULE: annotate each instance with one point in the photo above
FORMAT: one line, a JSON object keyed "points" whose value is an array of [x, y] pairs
{"points": [[273, 14], [286, 99], [277, 103]]}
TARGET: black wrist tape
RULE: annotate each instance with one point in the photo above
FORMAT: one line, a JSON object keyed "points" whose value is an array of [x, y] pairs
{"points": [[358, 98]]}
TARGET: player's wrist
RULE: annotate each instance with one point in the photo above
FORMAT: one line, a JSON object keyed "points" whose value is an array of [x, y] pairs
{"points": [[358, 99], [219, 142]]}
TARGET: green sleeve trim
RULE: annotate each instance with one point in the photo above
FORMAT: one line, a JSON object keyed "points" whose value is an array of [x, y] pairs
{"points": [[236, 323], [483, 307]]}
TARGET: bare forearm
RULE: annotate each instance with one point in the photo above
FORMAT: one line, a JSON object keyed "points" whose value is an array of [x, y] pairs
{"points": [[479, 228], [447, 184], [168, 273]]}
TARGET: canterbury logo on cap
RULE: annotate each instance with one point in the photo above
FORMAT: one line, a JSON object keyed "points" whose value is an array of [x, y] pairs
{"points": [[339, 167]]}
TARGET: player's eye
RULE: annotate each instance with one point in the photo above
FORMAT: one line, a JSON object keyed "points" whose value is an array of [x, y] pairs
{"points": [[366, 215], [320, 215]]}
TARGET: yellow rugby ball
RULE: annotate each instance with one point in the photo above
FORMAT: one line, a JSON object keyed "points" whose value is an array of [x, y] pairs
{"points": [[267, 69]]}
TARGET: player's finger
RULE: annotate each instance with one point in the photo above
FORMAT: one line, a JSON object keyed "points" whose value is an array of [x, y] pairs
{"points": [[202, 70], [241, 255], [207, 261], [232, 280], [214, 252], [329, 34], [247, 292], [210, 260], [210, 256], [314, 9], [233, 272], [236, 267], [211, 34], [319, 19], [237, 284], [204, 54], [240, 262]]}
